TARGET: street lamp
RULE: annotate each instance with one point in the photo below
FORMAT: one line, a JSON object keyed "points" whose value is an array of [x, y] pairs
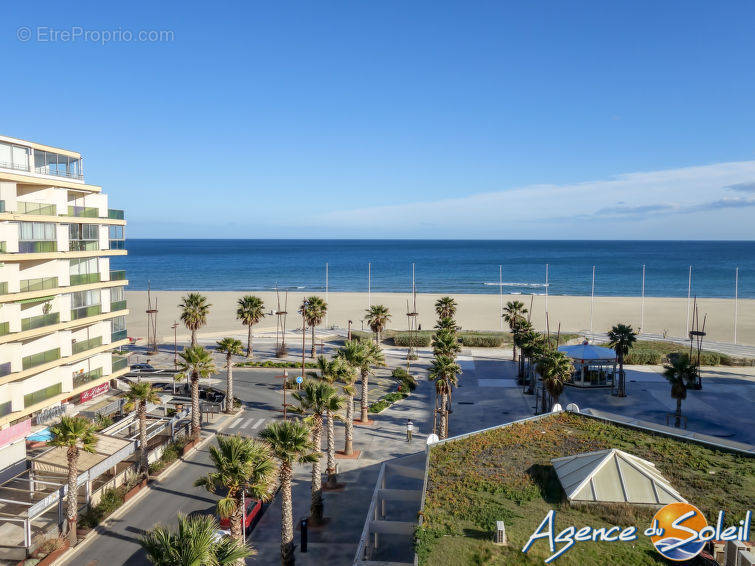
{"points": [[175, 345], [285, 405]]}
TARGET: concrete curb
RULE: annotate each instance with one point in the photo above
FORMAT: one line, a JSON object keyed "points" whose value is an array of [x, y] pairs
{"points": [[71, 553]]}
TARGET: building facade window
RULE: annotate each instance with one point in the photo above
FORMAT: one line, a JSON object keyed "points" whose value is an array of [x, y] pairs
{"points": [[34, 237], [84, 270], [14, 157]]}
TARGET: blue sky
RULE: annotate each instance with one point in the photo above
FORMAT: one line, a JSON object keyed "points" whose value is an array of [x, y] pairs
{"points": [[399, 119]]}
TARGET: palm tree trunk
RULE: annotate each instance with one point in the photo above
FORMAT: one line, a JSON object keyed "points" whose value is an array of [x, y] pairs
{"points": [[348, 448], [72, 508], [196, 424], [331, 469], [143, 438], [544, 400], [287, 524], [443, 416], [678, 420], [513, 355], [531, 376], [193, 338], [312, 355], [249, 342], [622, 387], [237, 522], [316, 507], [229, 386], [365, 379]]}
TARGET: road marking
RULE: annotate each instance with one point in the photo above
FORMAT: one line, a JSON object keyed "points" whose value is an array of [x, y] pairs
{"points": [[246, 422], [234, 423], [258, 423]]}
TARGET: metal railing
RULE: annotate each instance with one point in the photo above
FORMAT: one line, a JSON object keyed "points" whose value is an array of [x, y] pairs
{"points": [[37, 246], [38, 284], [39, 321], [65, 173], [83, 211], [115, 214], [39, 209], [16, 166], [41, 358], [84, 312], [84, 245], [82, 378], [84, 345], [118, 305], [118, 335], [84, 278]]}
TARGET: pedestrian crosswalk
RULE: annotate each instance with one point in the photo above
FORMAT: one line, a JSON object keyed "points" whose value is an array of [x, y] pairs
{"points": [[247, 423]]}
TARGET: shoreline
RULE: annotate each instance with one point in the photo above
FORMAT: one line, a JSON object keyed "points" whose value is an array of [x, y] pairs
{"points": [[475, 312]]}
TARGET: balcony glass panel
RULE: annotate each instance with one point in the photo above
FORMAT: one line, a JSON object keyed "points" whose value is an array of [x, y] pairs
{"points": [[118, 306], [4, 328], [85, 278], [84, 245], [40, 321], [38, 284], [42, 395], [83, 211], [84, 312], [36, 208], [117, 244], [37, 247], [2, 206], [118, 335], [84, 345], [81, 378], [119, 363], [4, 369], [14, 157], [117, 275], [4, 288], [114, 214], [48, 163], [41, 358]]}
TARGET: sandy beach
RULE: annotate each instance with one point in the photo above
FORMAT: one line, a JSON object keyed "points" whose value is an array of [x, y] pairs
{"points": [[476, 312]]}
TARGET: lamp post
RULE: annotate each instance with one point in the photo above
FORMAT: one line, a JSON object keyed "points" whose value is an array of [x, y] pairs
{"points": [[285, 384], [349, 330], [174, 326], [303, 337]]}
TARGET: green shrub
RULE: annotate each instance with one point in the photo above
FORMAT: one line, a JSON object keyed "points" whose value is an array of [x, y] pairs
{"points": [[405, 379], [387, 400], [481, 340], [639, 356], [273, 364], [406, 340]]}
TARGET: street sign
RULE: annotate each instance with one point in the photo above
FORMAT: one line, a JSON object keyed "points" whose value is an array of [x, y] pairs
{"points": [[299, 379]]}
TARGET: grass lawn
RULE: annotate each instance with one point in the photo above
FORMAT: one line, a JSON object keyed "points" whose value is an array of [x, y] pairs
{"points": [[506, 475], [650, 352]]}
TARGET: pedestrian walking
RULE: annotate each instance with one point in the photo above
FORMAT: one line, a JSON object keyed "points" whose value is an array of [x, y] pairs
{"points": [[409, 430]]}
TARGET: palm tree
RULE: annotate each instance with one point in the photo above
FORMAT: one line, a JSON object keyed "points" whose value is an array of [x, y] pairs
{"points": [[377, 318], [362, 356], [532, 346], [520, 332], [195, 362], [444, 372], [513, 314], [330, 372], [313, 310], [242, 466], [74, 434], [622, 338], [194, 310], [229, 347], [193, 543], [445, 307], [446, 323], [316, 398], [680, 373], [289, 441], [446, 343], [555, 368], [139, 396], [347, 376], [251, 310]]}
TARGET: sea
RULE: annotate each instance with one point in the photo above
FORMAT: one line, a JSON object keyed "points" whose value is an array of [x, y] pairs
{"points": [[445, 266]]}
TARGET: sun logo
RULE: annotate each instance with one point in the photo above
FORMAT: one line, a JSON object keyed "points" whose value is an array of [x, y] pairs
{"points": [[677, 531]]}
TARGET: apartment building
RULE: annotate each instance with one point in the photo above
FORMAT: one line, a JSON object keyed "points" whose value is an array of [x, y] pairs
{"points": [[62, 309]]}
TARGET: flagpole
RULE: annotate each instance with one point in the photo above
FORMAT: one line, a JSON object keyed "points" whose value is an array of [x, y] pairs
{"points": [[736, 300], [546, 293], [642, 313], [592, 296], [500, 292], [689, 293], [326, 293], [369, 285]]}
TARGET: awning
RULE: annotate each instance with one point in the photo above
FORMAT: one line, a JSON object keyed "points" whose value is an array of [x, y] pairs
{"points": [[36, 300], [588, 352], [56, 460]]}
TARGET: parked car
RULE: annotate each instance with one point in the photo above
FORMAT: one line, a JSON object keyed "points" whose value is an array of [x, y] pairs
{"points": [[253, 514], [145, 368]]}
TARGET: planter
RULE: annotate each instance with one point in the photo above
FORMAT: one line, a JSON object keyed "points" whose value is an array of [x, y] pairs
{"points": [[187, 448], [53, 556], [134, 490]]}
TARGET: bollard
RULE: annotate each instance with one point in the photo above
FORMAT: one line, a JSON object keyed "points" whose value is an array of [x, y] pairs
{"points": [[303, 529]]}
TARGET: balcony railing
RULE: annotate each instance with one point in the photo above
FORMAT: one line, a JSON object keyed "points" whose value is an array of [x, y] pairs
{"points": [[115, 214], [85, 312], [84, 278], [118, 335], [42, 395], [84, 245], [4, 328], [38, 284], [4, 369], [119, 363], [39, 321], [4, 288], [118, 275], [2, 206], [83, 211], [117, 244], [84, 345], [39, 209], [35, 247], [118, 305], [41, 358], [81, 378]]}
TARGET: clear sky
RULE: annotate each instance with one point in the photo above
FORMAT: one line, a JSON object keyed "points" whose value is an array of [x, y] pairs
{"points": [[398, 119]]}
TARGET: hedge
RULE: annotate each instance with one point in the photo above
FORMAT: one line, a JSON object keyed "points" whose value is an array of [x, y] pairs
{"points": [[406, 340], [272, 364]]}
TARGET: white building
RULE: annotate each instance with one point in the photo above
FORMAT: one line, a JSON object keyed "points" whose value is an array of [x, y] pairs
{"points": [[62, 310]]}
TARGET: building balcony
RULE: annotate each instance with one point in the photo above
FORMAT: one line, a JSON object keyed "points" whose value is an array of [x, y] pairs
{"points": [[119, 363], [84, 345], [81, 378], [85, 312], [42, 395], [4, 328], [115, 214], [37, 246], [36, 208], [4, 288], [117, 244], [118, 335], [41, 358], [84, 245], [119, 275], [83, 211], [39, 321], [38, 284], [85, 278], [118, 305]]}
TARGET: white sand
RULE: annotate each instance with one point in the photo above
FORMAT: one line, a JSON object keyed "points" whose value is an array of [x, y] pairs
{"points": [[478, 312]]}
